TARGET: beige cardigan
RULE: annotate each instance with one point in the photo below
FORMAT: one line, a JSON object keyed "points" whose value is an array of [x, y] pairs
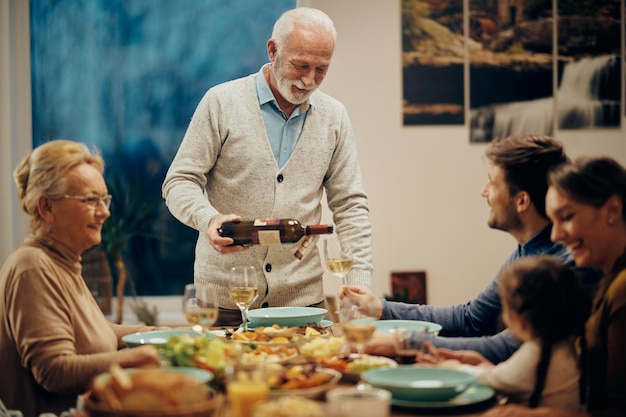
{"points": [[226, 156]]}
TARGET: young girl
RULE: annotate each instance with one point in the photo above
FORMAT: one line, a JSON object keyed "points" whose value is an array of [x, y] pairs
{"points": [[544, 307]]}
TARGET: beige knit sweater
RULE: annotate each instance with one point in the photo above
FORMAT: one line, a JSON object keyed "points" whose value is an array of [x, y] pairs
{"points": [[53, 337]]}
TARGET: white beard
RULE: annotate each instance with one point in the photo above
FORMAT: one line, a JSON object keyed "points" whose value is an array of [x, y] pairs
{"points": [[284, 85]]}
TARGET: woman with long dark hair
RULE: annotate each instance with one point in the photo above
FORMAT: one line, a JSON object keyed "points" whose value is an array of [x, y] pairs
{"points": [[587, 203]]}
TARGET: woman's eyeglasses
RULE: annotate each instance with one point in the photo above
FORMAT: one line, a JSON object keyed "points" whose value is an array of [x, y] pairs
{"points": [[92, 200]]}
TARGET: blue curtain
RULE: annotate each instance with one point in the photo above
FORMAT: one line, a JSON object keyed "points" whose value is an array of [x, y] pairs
{"points": [[125, 76]]}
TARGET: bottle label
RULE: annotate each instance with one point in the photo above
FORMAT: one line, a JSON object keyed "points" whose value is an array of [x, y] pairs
{"points": [[266, 237], [267, 222]]}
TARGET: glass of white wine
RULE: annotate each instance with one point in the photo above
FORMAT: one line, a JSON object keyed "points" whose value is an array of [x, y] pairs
{"points": [[357, 326], [338, 260], [200, 307], [243, 289]]}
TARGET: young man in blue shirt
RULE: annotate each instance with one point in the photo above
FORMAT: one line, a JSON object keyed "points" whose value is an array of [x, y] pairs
{"points": [[515, 191]]}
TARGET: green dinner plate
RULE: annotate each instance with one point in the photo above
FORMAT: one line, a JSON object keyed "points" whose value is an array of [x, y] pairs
{"points": [[322, 323], [285, 316], [415, 325], [156, 337], [473, 395]]}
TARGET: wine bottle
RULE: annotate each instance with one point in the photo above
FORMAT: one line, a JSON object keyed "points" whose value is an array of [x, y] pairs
{"points": [[270, 231]]}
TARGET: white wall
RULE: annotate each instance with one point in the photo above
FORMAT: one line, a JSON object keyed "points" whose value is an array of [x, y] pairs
{"points": [[15, 116], [423, 183]]}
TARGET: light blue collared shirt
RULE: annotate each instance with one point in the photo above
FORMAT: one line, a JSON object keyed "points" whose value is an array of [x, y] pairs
{"points": [[283, 131]]}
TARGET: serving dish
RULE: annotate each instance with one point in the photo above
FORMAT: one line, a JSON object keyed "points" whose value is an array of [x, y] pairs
{"points": [[419, 383], [163, 392], [286, 316], [201, 375], [411, 325]]}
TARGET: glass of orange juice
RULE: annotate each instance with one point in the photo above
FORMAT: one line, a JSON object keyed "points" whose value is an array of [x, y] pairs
{"points": [[246, 388]]}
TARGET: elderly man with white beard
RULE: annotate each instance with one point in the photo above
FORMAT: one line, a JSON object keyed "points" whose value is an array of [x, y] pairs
{"points": [[267, 146]]}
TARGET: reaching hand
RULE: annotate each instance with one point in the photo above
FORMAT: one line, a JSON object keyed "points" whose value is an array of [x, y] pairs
{"points": [[381, 344], [449, 358], [137, 357], [368, 304]]}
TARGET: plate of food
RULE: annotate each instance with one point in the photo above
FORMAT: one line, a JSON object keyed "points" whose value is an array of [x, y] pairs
{"points": [[289, 406], [319, 348], [310, 381], [164, 392], [352, 366], [254, 354], [276, 334]]}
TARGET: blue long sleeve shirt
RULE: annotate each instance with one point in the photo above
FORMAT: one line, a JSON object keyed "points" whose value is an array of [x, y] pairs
{"points": [[474, 325]]}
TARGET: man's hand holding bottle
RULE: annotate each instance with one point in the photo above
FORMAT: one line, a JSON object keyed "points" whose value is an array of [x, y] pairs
{"points": [[222, 244]]}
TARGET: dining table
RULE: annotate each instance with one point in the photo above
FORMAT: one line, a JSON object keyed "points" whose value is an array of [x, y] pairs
{"points": [[469, 410]]}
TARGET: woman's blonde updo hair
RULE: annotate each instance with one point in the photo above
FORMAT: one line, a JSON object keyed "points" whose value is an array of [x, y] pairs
{"points": [[43, 173]]}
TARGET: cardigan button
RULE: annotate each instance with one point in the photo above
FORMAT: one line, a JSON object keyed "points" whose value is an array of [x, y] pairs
{"points": [[268, 267], [280, 178]]}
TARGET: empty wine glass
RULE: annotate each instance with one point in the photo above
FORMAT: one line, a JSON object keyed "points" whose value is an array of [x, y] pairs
{"points": [[338, 259], [200, 307], [243, 289], [358, 326]]}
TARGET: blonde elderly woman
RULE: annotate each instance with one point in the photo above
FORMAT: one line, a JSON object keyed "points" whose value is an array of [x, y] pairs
{"points": [[53, 337]]}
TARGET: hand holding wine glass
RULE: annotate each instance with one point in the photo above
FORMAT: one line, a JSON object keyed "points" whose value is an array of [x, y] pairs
{"points": [[338, 260], [358, 326], [200, 307], [243, 289]]}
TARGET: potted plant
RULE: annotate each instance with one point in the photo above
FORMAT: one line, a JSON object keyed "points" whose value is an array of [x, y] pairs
{"points": [[131, 216]]}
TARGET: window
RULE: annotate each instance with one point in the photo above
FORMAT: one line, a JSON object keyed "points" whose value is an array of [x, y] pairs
{"points": [[125, 77]]}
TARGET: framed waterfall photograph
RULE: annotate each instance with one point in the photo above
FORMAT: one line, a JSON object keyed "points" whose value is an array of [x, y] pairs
{"points": [[511, 68], [589, 64], [433, 56]]}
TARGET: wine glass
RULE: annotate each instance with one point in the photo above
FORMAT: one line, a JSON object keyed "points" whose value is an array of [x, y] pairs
{"points": [[200, 307], [338, 260], [358, 326], [243, 289]]}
